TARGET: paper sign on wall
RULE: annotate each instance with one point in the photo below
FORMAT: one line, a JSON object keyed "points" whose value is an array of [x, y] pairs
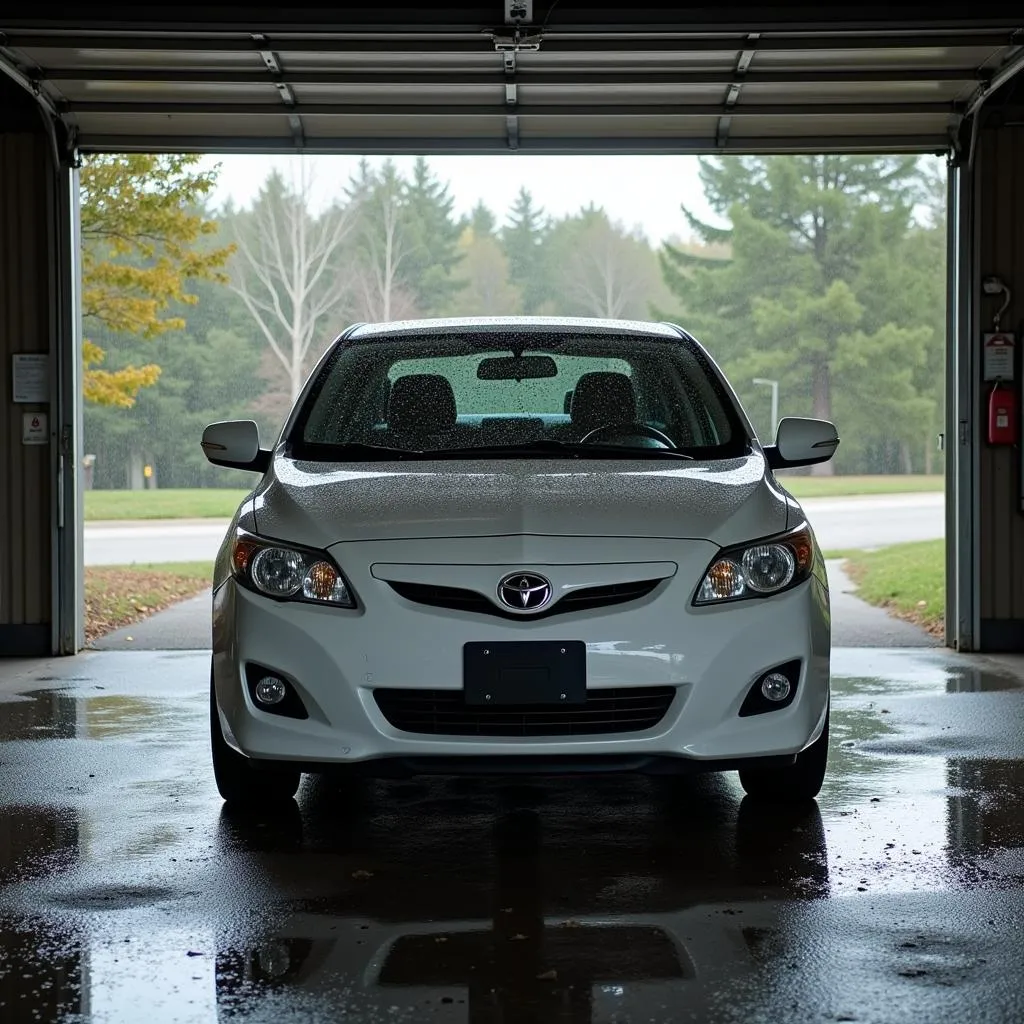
{"points": [[31, 377], [33, 428], [998, 349]]}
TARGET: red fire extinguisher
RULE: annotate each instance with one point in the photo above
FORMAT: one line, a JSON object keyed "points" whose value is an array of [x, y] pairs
{"points": [[1002, 414]]}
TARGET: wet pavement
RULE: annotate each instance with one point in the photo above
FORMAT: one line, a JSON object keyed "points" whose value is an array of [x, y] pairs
{"points": [[128, 894]]}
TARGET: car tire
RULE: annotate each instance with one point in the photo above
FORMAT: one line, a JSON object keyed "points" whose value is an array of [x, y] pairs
{"points": [[243, 781], [796, 783]]}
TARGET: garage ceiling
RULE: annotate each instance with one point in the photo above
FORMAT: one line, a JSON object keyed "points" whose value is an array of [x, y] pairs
{"points": [[513, 75]]}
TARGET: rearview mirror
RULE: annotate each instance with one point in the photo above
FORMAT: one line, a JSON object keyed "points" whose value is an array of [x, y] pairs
{"points": [[235, 443], [513, 368], [802, 442]]}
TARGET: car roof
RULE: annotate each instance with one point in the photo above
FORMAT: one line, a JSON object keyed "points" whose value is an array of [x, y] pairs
{"points": [[515, 324]]}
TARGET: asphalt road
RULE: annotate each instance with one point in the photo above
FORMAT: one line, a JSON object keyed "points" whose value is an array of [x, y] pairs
{"points": [[861, 522], [127, 894]]}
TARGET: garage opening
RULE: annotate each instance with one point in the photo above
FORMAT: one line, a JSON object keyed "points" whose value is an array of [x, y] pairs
{"points": [[815, 280]]}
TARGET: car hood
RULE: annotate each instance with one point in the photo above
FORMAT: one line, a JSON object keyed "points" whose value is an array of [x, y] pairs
{"points": [[319, 504]]}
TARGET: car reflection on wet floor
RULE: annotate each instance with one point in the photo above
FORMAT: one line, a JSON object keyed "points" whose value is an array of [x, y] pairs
{"points": [[129, 894]]}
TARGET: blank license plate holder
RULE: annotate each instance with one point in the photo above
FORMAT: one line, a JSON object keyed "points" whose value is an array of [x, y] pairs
{"points": [[525, 672]]}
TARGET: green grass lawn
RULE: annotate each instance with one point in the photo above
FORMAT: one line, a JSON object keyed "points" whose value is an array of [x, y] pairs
{"points": [[220, 503], [196, 503], [909, 580], [845, 486]]}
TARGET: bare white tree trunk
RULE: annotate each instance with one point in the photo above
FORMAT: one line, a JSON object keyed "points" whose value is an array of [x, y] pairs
{"points": [[385, 251], [603, 276], [285, 272]]}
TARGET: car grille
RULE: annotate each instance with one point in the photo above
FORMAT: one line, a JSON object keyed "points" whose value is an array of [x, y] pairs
{"points": [[445, 713], [575, 601]]}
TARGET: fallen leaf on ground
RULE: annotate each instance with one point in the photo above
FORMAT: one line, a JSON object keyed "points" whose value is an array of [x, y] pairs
{"points": [[118, 596]]}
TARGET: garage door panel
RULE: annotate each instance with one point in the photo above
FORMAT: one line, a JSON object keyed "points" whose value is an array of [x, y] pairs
{"points": [[426, 94], [483, 58], [672, 56], [441, 85], [140, 92], [86, 57], [850, 92], [619, 126], [675, 93], [412, 125], [894, 126], [149, 125], [922, 57]]}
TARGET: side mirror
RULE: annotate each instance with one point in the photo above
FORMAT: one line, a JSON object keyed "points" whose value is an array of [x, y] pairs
{"points": [[235, 443], [802, 442]]}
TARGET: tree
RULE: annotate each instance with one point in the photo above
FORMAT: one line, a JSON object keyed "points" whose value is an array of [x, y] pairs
{"points": [[287, 273], [602, 269], [382, 243], [816, 251], [209, 371], [164, 425], [433, 235], [523, 239], [482, 220], [487, 290], [142, 232]]}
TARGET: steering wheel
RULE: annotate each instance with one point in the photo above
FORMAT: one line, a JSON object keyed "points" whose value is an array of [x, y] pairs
{"points": [[598, 434]]}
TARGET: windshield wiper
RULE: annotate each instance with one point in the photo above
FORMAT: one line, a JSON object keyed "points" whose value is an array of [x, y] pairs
{"points": [[550, 446], [314, 451], [358, 451]]}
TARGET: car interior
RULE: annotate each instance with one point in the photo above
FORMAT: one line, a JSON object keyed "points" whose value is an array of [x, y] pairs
{"points": [[401, 405]]}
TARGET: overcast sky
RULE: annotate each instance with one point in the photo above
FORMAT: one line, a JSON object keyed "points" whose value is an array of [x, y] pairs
{"points": [[639, 191]]}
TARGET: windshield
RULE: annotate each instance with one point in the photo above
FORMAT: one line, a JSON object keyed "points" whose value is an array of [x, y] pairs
{"points": [[521, 394]]}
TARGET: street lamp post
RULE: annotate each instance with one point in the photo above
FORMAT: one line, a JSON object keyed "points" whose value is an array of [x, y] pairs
{"points": [[774, 385]]}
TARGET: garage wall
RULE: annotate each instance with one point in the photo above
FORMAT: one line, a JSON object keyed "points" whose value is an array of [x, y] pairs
{"points": [[1000, 170], [26, 326]]}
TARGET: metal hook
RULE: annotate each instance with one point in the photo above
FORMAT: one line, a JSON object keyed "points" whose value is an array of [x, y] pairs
{"points": [[995, 286]]}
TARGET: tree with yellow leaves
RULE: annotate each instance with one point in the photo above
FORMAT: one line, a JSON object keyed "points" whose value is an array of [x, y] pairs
{"points": [[142, 242]]}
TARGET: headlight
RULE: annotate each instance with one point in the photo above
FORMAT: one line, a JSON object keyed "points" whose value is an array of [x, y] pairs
{"points": [[287, 573], [756, 570]]}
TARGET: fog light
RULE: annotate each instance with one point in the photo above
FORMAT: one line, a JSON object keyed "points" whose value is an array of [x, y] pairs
{"points": [[271, 690], [775, 686]]}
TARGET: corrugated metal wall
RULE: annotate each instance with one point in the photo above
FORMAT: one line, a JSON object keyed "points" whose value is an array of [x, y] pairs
{"points": [[26, 190], [1000, 167]]}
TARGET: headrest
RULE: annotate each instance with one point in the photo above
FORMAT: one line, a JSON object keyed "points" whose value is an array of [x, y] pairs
{"points": [[422, 403], [601, 398]]}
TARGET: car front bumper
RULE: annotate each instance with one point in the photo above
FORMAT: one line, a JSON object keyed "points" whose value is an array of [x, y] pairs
{"points": [[336, 658]]}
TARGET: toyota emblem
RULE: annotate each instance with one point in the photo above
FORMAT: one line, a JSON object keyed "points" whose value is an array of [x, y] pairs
{"points": [[524, 591]]}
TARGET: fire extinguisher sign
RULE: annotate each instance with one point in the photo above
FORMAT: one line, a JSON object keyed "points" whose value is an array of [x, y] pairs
{"points": [[998, 362]]}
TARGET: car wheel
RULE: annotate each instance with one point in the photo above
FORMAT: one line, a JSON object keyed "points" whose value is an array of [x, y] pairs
{"points": [[795, 783], [242, 781]]}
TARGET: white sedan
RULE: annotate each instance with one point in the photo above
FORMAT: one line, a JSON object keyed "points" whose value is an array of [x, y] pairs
{"points": [[519, 545]]}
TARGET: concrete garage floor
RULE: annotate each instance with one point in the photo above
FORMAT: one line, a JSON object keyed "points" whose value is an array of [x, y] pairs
{"points": [[128, 894]]}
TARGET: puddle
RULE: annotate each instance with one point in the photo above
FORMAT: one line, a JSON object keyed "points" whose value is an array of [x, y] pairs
{"points": [[115, 897], [866, 671], [56, 714], [126, 885], [35, 841]]}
